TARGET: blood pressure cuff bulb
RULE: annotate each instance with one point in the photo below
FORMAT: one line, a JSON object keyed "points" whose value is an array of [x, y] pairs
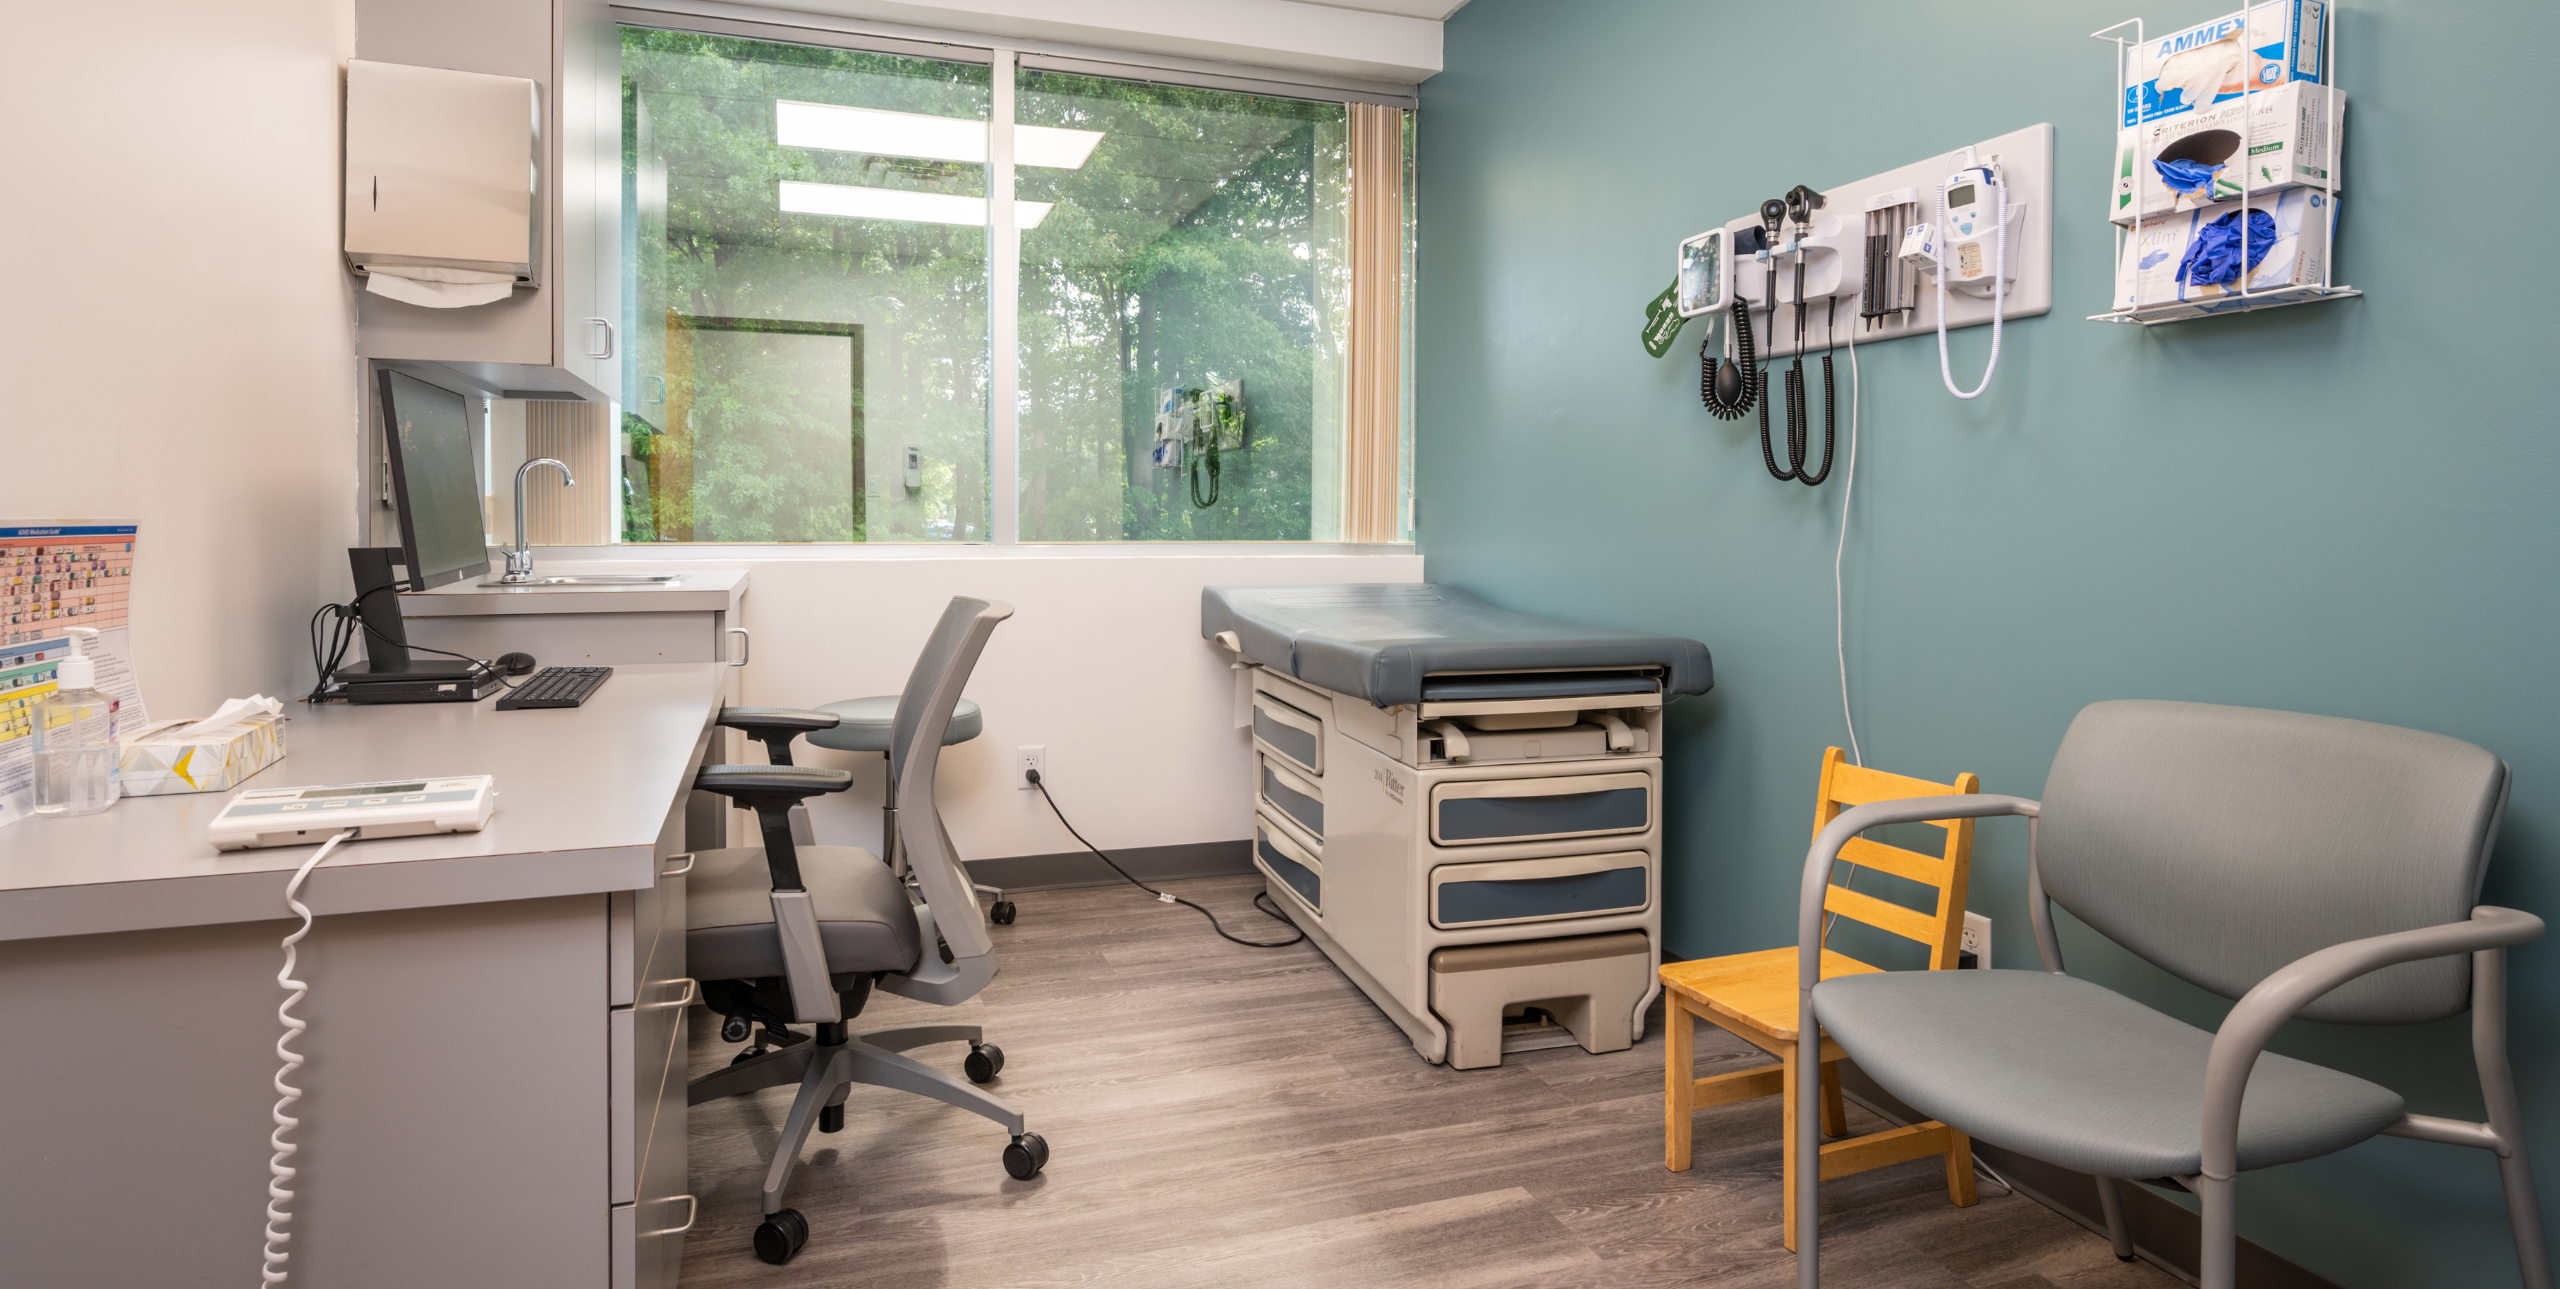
{"points": [[2213, 258]]}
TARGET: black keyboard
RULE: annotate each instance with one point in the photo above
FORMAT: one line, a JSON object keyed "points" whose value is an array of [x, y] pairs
{"points": [[555, 687]]}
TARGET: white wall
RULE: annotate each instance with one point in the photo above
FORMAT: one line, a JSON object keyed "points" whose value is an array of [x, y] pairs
{"points": [[1102, 663], [177, 349]]}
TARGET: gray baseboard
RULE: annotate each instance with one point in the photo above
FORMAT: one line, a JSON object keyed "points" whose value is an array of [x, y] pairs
{"points": [[2164, 1234], [1146, 863]]}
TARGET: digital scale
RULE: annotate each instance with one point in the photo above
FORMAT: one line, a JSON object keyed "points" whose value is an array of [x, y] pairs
{"points": [[398, 808]]}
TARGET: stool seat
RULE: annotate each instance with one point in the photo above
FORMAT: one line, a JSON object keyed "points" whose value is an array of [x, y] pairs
{"points": [[865, 724]]}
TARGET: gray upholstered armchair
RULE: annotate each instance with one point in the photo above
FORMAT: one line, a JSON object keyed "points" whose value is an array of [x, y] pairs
{"points": [[2301, 865]]}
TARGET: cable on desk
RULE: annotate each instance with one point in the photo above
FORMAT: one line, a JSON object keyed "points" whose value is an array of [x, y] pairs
{"points": [[1261, 899], [279, 1195]]}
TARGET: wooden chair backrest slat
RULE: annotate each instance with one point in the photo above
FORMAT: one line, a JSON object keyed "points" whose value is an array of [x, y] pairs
{"points": [[1942, 929]]}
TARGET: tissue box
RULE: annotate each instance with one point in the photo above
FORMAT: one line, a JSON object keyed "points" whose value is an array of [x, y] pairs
{"points": [[157, 764], [2265, 44], [2298, 257], [2278, 138]]}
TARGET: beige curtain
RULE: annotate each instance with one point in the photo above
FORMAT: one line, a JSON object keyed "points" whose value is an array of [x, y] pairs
{"points": [[1372, 432], [580, 436]]}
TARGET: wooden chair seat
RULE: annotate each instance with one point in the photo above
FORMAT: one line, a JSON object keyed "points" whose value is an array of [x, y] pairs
{"points": [[1757, 989], [1753, 997]]}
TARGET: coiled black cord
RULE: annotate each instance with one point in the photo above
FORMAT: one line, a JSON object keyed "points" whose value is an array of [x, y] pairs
{"points": [[1260, 898], [1748, 379]]}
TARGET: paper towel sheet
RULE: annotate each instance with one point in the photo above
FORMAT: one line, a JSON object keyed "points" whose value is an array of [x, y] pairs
{"points": [[435, 288]]}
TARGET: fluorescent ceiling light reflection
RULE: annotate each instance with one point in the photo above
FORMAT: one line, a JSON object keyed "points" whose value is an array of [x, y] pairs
{"points": [[933, 138], [895, 203]]}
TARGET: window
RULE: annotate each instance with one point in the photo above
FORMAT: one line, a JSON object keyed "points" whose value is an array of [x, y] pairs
{"points": [[1207, 304]]}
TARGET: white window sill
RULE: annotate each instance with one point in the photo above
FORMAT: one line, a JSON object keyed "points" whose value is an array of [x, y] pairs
{"points": [[852, 552]]}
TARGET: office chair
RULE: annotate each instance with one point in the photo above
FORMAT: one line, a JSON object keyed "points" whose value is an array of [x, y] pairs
{"points": [[866, 725], [2302, 865], [788, 933]]}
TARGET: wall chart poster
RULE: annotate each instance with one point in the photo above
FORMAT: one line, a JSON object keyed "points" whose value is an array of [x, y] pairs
{"points": [[55, 576]]}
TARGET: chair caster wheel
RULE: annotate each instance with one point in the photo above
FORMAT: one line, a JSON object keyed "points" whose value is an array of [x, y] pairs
{"points": [[1002, 913], [986, 1061], [734, 1029], [831, 1118], [1025, 1157], [781, 1235]]}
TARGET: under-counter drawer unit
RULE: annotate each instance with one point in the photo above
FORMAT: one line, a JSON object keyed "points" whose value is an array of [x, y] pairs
{"points": [[1291, 796], [1288, 733], [1517, 891], [1291, 862], [1560, 807]]}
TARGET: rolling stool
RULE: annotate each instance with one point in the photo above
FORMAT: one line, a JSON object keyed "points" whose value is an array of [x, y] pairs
{"points": [[862, 725]]}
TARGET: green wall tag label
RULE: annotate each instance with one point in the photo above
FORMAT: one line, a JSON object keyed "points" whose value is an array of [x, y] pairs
{"points": [[1662, 321]]}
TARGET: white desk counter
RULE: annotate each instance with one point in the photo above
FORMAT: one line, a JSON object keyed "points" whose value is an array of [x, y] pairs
{"points": [[578, 819], [494, 1088]]}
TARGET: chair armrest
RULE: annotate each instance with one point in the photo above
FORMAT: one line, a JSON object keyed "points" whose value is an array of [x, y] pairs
{"points": [[2292, 987], [790, 781], [1857, 819], [796, 719]]}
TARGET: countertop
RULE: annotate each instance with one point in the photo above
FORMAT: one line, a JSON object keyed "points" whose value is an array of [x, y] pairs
{"points": [[699, 590], [583, 796]]}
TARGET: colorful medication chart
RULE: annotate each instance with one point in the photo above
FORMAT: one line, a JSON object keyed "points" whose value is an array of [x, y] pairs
{"points": [[59, 576]]}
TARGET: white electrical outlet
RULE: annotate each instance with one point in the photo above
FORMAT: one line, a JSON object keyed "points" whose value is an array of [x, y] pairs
{"points": [[1027, 759], [1977, 939]]}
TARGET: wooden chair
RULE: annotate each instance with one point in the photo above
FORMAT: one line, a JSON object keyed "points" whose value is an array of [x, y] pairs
{"points": [[1753, 995]]}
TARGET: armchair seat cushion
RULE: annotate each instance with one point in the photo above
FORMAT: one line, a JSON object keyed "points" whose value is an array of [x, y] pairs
{"points": [[865, 920], [863, 724], [2078, 1075]]}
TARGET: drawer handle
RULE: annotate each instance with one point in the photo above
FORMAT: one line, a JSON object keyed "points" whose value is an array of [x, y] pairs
{"points": [[692, 995], [692, 1210], [746, 646], [688, 859]]}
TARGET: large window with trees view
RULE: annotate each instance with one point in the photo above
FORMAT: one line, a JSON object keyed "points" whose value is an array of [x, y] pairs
{"points": [[1204, 292]]}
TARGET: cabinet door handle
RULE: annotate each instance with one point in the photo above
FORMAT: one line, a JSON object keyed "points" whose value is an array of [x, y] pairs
{"points": [[688, 858], [692, 1210], [607, 324], [746, 646]]}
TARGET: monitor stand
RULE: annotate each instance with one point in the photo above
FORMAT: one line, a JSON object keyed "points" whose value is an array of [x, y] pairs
{"points": [[390, 674]]}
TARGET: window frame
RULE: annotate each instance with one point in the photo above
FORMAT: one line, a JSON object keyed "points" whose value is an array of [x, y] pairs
{"points": [[1005, 58]]}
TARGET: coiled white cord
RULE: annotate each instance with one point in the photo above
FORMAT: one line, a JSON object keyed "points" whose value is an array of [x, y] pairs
{"points": [[1999, 293], [279, 1218]]}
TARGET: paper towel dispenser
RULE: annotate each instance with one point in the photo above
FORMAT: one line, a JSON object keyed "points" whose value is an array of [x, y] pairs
{"points": [[443, 172]]}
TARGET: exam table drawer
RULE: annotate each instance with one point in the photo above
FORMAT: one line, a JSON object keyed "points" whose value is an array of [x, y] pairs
{"points": [[1291, 797], [1289, 861], [1475, 812], [1505, 892], [1288, 733]]}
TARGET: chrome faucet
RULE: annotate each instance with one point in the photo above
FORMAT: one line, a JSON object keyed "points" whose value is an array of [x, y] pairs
{"points": [[520, 555]]}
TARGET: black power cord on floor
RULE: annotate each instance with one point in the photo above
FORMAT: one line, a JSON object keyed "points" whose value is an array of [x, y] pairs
{"points": [[1261, 899]]}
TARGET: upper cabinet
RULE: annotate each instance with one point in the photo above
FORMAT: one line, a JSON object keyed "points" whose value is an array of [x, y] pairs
{"points": [[557, 334]]}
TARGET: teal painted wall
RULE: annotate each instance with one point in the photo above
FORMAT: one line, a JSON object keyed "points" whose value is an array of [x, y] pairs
{"points": [[2341, 508]]}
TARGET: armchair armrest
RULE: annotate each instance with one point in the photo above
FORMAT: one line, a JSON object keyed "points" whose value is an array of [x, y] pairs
{"points": [[771, 791], [2265, 1008], [1849, 823], [775, 727]]}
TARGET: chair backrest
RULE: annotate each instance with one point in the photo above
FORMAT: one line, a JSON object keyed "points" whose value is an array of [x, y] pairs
{"points": [[2221, 843], [924, 710], [1940, 930]]}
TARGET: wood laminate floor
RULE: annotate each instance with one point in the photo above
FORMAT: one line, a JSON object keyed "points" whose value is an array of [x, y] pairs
{"points": [[1223, 1116]]}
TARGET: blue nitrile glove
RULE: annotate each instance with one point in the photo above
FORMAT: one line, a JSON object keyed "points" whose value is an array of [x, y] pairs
{"points": [[2186, 176], [2213, 258]]}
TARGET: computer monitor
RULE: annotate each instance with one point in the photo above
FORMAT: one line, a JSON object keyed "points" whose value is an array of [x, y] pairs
{"points": [[429, 442]]}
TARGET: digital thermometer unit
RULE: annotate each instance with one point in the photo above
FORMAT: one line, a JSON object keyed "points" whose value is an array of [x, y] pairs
{"points": [[301, 816], [1971, 222]]}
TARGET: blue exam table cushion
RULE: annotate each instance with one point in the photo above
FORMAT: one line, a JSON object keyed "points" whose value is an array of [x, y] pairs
{"points": [[1378, 641]]}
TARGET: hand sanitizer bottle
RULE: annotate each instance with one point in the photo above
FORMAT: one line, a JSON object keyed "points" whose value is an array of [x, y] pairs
{"points": [[75, 738]]}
